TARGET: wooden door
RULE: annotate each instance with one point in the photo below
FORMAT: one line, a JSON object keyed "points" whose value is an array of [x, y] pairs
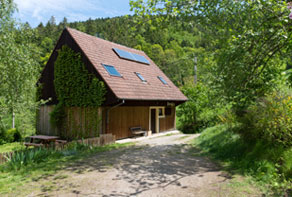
{"points": [[153, 120]]}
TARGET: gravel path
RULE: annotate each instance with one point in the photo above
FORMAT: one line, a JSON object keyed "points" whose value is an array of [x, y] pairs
{"points": [[161, 166]]}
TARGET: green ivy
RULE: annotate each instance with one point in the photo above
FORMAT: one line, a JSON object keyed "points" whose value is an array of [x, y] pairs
{"points": [[58, 115], [75, 87], [39, 90]]}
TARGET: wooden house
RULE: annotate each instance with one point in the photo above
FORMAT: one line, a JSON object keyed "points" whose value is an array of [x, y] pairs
{"points": [[138, 94]]}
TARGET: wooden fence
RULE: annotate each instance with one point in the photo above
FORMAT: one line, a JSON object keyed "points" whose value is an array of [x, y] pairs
{"points": [[104, 139]]}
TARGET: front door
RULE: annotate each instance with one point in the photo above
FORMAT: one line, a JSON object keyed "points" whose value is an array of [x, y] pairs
{"points": [[153, 120]]}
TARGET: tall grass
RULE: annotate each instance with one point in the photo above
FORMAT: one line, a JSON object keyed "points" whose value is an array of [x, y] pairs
{"points": [[268, 164], [29, 156], [32, 157]]}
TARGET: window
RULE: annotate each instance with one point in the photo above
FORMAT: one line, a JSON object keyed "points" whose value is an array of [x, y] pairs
{"points": [[140, 77], [168, 111], [161, 112], [162, 80], [112, 70]]}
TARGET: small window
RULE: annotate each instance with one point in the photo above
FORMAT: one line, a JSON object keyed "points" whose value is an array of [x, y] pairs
{"points": [[161, 112], [162, 80], [112, 70], [140, 77], [168, 111]]}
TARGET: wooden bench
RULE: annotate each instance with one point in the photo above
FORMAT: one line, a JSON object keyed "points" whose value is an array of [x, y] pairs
{"points": [[41, 141], [138, 131], [33, 144], [61, 143]]}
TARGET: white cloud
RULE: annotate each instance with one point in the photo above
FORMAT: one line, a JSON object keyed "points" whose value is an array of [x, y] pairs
{"points": [[37, 11]]}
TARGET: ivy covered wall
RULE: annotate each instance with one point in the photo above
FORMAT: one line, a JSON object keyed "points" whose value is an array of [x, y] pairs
{"points": [[76, 88]]}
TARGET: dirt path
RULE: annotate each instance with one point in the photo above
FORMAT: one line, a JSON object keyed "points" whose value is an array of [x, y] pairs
{"points": [[159, 166]]}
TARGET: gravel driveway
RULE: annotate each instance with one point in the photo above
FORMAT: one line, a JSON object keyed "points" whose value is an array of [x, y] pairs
{"points": [[161, 166]]}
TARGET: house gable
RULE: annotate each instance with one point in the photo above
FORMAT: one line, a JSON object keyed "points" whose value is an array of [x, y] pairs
{"points": [[95, 54], [47, 76]]}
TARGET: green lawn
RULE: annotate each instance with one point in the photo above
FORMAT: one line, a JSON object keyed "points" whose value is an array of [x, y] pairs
{"points": [[9, 147]]}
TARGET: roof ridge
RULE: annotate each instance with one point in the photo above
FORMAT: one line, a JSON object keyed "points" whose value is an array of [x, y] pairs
{"points": [[69, 28]]}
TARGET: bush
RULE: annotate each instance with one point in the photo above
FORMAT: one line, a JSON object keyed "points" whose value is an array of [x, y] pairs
{"points": [[269, 119], [2, 136], [12, 135], [198, 112]]}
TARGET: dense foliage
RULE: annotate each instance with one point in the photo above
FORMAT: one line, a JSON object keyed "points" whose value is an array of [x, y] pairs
{"points": [[249, 51], [200, 111], [19, 71], [269, 119], [75, 87]]}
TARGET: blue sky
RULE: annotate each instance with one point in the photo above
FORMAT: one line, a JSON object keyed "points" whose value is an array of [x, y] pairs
{"points": [[36, 11]]}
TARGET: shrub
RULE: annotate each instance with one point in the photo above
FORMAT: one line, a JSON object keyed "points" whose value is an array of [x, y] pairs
{"points": [[2, 136], [198, 112], [12, 135], [269, 119]]}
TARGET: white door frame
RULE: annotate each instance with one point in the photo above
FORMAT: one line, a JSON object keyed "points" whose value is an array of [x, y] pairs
{"points": [[157, 116]]}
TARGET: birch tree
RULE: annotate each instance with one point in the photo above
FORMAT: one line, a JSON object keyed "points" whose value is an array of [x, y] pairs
{"points": [[18, 68]]}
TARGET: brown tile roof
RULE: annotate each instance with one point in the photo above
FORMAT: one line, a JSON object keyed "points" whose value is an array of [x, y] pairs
{"points": [[129, 86]]}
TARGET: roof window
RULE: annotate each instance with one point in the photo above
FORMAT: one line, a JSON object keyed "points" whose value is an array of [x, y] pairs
{"points": [[140, 77], [112, 70], [162, 80]]}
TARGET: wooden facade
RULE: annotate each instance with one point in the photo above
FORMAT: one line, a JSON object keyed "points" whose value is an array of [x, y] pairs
{"points": [[121, 119], [44, 126], [168, 121], [79, 122]]}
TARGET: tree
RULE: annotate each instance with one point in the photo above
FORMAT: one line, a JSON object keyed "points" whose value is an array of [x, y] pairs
{"points": [[247, 39], [17, 64]]}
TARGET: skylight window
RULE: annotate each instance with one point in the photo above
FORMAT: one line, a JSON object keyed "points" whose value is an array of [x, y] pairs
{"points": [[131, 56], [162, 80], [140, 77], [112, 70]]}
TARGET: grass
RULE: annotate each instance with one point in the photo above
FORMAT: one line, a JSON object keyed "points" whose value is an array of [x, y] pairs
{"points": [[269, 166], [13, 179], [9, 147]]}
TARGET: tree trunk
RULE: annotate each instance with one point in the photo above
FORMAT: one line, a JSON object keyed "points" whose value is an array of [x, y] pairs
{"points": [[13, 120]]}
